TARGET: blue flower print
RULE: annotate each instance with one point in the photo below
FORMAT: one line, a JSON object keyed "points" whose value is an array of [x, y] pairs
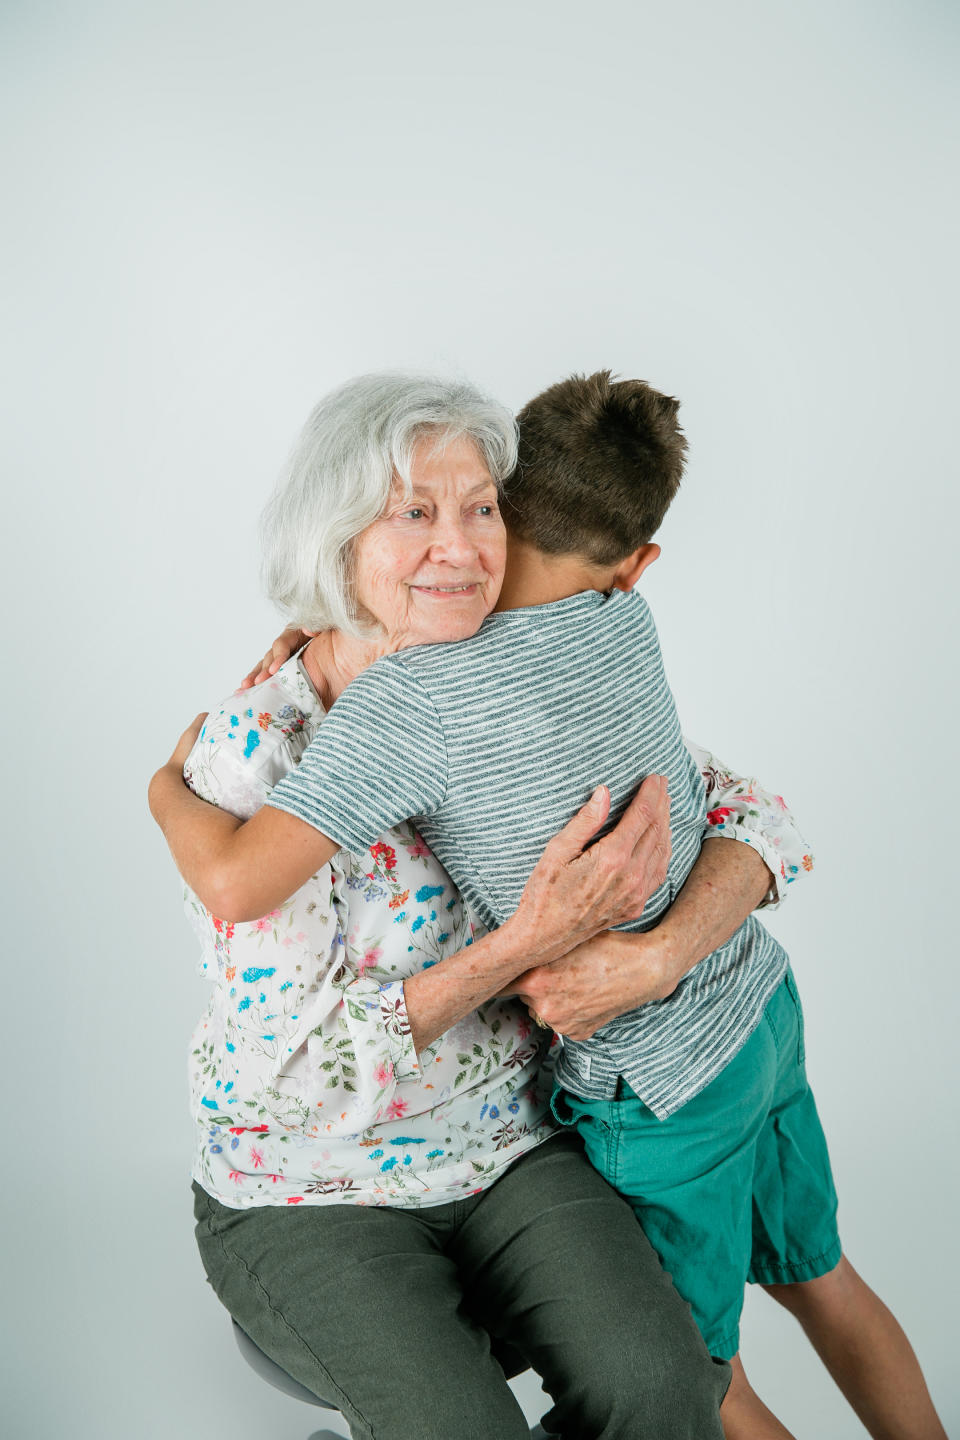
{"points": [[427, 892], [388, 1164], [418, 924], [251, 976], [253, 740]]}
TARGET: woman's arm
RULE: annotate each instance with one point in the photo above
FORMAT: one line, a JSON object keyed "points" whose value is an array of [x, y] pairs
{"points": [[615, 972]]}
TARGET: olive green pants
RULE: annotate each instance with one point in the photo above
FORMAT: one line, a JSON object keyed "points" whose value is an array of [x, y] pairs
{"points": [[388, 1313]]}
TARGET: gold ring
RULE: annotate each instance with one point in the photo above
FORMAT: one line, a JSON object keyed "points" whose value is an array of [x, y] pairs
{"points": [[539, 1020]]}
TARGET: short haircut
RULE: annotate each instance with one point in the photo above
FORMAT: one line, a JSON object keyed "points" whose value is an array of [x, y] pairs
{"points": [[599, 462], [338, 478]]}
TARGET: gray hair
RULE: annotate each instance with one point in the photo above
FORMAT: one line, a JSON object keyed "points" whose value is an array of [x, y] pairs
{"points": [[338, 477]]}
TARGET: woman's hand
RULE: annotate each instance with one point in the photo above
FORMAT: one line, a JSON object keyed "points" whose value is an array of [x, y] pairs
{"points": [[574, 893], [583, 991], [618, 970], [280, 651]]}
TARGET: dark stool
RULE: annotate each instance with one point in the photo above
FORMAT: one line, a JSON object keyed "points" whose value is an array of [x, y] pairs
{"points": [[270, 1371]]}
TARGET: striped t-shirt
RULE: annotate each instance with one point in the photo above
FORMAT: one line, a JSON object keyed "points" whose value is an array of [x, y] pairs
{"points": [[491, 744]]}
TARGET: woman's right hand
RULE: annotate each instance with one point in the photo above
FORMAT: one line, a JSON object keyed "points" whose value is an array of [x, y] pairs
{"points": [[573, 893], [280, 651]]}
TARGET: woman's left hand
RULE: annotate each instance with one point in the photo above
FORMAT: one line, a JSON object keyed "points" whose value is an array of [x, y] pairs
{"points": [[580, 993]]}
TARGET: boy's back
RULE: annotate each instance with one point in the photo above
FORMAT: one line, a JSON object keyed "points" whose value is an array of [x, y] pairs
{"points": [[492, 745]]}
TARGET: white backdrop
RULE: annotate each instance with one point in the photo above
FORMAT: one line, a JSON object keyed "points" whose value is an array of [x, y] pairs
{"points": [[216, 211]]}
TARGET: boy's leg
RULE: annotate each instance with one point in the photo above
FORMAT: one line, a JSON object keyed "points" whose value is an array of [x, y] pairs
{"points": [[689, 1179], [866, 1352], [796, 1256], [743, 1413], [554, 1262]]}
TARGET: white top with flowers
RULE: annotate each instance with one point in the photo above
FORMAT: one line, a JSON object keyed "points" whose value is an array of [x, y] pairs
{"points": [[305, 1084]]}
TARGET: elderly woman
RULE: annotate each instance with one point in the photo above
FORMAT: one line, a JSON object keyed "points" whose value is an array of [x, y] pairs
{"points": [[379, 1188]]}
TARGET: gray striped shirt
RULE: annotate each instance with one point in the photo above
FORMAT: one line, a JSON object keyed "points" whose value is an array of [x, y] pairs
{"points": [[491, 744]]}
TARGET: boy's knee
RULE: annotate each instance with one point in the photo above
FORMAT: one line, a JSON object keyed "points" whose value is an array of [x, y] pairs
{"points": [[802, 1297]]}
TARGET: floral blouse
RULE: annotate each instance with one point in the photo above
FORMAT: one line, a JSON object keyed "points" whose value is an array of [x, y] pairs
{"points": [[306, 1088]]}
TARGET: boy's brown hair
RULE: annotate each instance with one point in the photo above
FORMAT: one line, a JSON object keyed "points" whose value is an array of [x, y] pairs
{"points": [[598, 464]]}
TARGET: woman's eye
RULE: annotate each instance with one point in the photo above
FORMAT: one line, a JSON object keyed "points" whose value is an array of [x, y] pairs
{"points": [[486, 510], [414, 513]]}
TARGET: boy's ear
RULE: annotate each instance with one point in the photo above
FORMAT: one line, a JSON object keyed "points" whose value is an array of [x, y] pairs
{"points": [[628, 572]]}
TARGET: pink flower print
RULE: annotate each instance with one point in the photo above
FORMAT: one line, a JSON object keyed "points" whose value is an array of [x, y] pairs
{"points": [[717, 817], [294, 1199], [396, 1109], [383, 1074], [256, 1157], [523, 1028], [780, 801], [418, 850], [274, 914], [286, 942], [300, 936], [236, 1176], [262, 924], [370, 958]]}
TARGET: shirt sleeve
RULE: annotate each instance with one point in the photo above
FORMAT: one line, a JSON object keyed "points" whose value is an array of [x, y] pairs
{"points": [[379, 758], [306, 1040], [741, 809]]}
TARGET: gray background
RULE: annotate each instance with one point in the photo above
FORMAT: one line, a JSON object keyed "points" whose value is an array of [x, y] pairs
{"points": [[216, 211]]}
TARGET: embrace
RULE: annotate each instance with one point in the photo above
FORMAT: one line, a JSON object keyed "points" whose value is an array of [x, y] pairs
{"points": [[499, 1061]]}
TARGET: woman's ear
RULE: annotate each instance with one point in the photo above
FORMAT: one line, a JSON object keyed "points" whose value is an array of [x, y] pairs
{"points": [[628, 572]]}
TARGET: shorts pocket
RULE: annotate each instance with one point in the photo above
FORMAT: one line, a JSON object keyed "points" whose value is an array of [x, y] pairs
{"points": [[791, 985]]}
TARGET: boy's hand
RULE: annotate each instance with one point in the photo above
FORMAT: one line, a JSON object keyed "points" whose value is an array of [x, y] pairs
{"points": [[280, 651]]}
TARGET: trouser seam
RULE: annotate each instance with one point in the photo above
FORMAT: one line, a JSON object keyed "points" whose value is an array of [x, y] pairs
{"points": [[344, 1403]]}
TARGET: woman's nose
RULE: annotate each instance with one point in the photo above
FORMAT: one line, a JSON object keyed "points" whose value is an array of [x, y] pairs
{"points": [[450, 541]]}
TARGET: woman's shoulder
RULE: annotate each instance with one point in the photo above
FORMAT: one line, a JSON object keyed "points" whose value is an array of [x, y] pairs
{"points": [[253, 738]]}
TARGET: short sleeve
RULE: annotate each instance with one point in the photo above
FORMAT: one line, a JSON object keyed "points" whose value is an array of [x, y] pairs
{"points": [[741, 809], [378, 758]]}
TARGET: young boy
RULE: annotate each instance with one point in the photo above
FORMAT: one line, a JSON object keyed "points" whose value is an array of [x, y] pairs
{"points": [[695, 1107]]}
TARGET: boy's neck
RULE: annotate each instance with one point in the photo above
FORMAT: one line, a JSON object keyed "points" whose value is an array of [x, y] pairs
{"points": [[534, 578]]}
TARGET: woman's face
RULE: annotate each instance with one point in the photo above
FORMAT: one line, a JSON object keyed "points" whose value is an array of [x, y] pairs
{"points": [[430, 568]]}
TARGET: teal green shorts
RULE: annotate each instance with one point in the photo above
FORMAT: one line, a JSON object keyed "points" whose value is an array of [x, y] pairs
{"points": [[736, 1184]]}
